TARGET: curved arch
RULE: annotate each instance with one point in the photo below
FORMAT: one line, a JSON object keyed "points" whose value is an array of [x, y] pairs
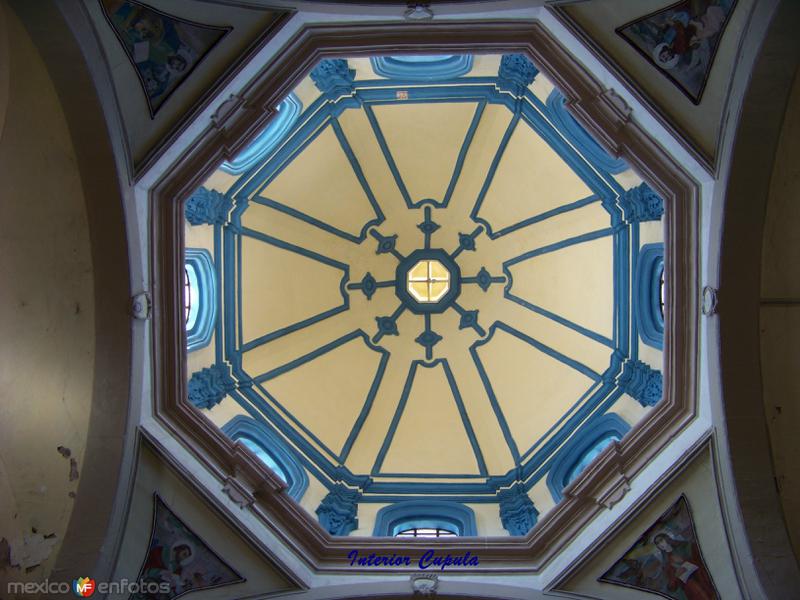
{"points": [[575, 133], [585, 445], [242, 427], [647, 294], [288, 112], [203, 314], [425, 513], [768, 565], [448, 66]]}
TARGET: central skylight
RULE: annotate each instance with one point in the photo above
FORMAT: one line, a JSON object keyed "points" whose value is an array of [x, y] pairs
{"points": [[436, 297], [428, 281]]}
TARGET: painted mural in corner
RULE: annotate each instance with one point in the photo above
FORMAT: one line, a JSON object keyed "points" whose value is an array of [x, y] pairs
{"points": [[681, 40], [666, 560], [178, 557], [162, 48]]}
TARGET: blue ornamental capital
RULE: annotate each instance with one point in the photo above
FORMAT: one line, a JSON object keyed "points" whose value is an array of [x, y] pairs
{"points": [[337, 511], [516, 73], [209, 386], [642, 383], [207, 207], [641, 204], [517, 512], [332, 76]]}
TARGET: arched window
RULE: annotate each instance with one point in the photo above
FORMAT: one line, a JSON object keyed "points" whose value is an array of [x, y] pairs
{"points": [[425, 518], [273, 134], [649, 294], [421, 68], [199, 297], [426, 532], [579, 137], [582, 448], [271, 450]]}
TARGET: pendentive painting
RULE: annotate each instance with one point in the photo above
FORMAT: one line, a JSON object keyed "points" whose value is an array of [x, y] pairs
{"points": [[178, 561], [681, 40], [666, 560], [163, 48]]}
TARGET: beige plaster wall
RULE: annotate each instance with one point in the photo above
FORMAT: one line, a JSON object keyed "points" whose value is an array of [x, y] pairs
{"points": [[144, 131], [47, 341], [702, 123], [154, 476], [780, 316], [698, 483]]}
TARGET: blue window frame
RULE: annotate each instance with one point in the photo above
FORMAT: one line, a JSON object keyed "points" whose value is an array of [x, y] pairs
{"points": [[271, 450], [425, 515], [579, 137], [200, 297], [582, 448], [275, 131], [648, 301], [422, 68]]}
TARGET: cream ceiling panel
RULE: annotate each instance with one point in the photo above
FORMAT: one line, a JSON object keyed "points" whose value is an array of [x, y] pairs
{"points": [[295, 287], [424, 140], [575, 282], [320, 182], [532, 389], [530, 179], [430, 437], [328, 393]]}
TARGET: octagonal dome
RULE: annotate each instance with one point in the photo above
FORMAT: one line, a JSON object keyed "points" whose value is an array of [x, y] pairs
{"points": [[432, 287]]}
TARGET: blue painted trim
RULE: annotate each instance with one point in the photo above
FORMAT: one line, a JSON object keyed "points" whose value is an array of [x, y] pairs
{"points": [[338, 510], [428, 338], [369, 286], [466, 241], [386, 244], [376, 129], [412, 372], [487, 385], [545, 215], [517, 512], [584, 440], [359, 173], [200, 261], [452, 516], [241, 426], [297, 362], [578, 239], [646, 296], [245, 347], [462, 155], [469, 319], [388, 325], [484, 279], [400, 67], [487, 183], [563, 358], [401, 281], [362, 416], [579, 137], [322, 461], [296, 214], [464, 417], [274, 133], [428, 227]]}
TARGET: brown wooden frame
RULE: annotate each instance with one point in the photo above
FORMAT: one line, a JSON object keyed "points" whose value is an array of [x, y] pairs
{"points": [[604, 114]]}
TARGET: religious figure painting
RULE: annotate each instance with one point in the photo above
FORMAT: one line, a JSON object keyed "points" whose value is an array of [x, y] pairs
{"points": [[681, 40], [163, 48], [179, 561], [666, 560]]}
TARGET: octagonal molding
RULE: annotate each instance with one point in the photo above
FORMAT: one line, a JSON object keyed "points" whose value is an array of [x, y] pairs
{"points": [[433, 290], [602, 112]]}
